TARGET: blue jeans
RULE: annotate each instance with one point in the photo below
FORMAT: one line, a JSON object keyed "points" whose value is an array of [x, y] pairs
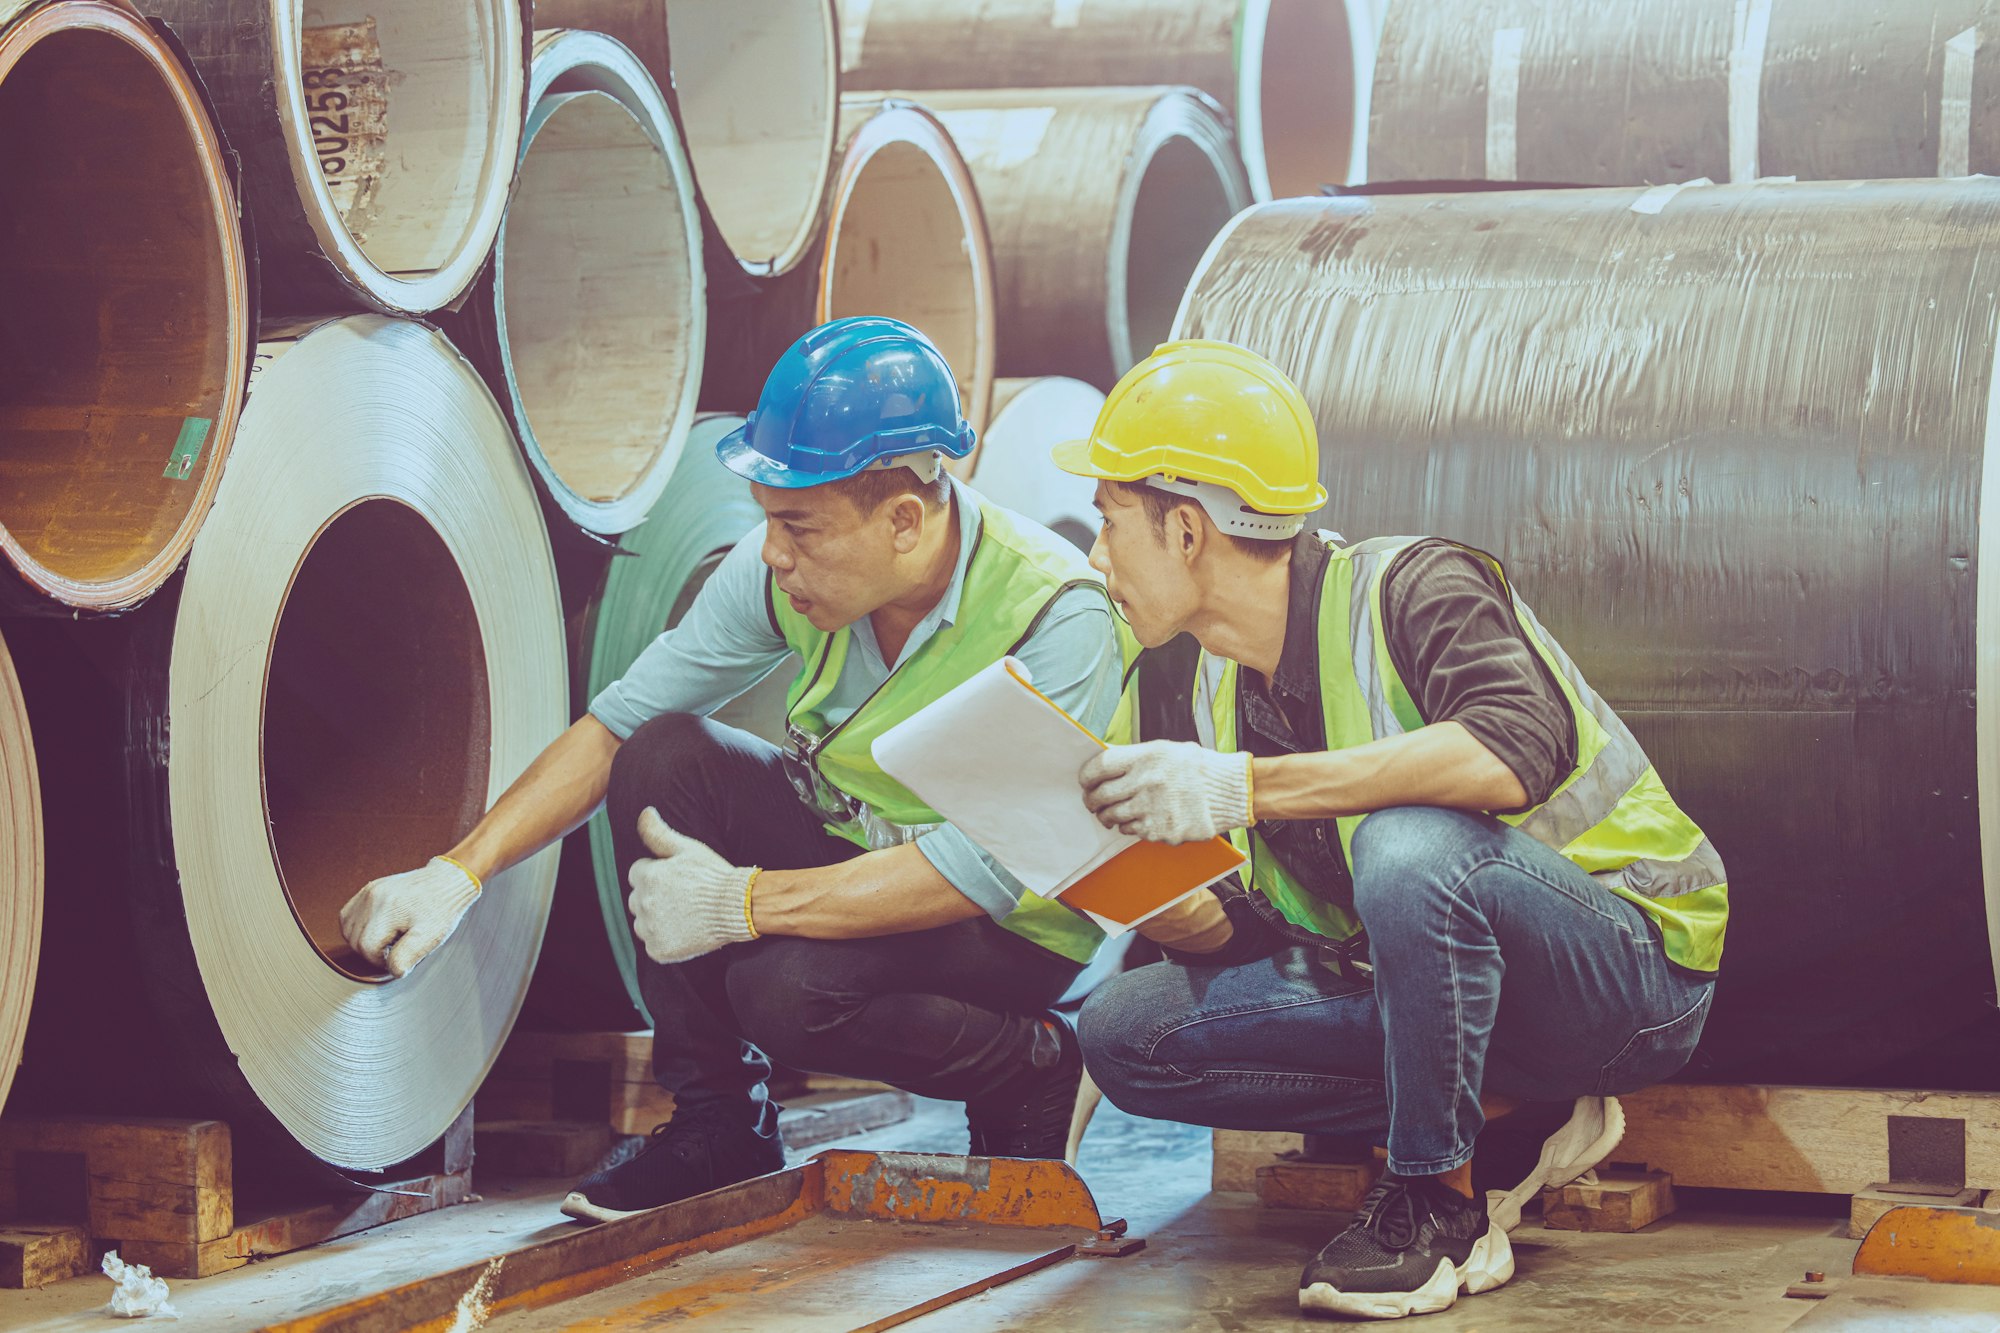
{"points": [[1500, 967]]}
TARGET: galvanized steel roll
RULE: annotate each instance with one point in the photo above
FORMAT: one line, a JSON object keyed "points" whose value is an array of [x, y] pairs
{"points": [[1030, 418], [1734, 445], [365, 650], [125, 310], [20, 871], [755, 85], [1100, 202], [906, 237], [1658, 91], [588, 974], [377, 142], [1294, 73], [591, 322]]}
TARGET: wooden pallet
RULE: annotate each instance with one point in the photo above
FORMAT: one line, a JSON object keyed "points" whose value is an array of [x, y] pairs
{"points": [[581, 1077], [162, 1193]]}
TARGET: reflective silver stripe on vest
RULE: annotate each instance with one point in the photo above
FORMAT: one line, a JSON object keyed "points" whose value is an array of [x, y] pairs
{"points": [[1369, 566], [1699, 869], [1616, 769], [1208, 684]]}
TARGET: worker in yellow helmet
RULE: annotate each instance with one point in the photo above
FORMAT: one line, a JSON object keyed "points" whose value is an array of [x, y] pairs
{"points": [[1468, 887]]}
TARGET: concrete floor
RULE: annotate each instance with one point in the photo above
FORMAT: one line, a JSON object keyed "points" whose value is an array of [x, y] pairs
{"points": [[1212, 1261]]}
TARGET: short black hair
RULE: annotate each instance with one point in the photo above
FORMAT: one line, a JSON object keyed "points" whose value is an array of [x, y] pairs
{"points": [[1158, 504], [871, 489]]}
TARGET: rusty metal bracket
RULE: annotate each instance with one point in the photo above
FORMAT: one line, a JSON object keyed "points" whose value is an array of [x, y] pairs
{"points": [[1958, 1245], [1111, 1242]]}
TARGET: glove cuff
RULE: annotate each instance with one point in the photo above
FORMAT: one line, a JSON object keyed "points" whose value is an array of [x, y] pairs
{"points": [[1228, 790], [460, 889]]}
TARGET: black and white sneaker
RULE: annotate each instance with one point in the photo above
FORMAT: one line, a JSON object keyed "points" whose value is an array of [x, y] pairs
{"points": [[1413, 1246], [1035, 1118], [704, 1147]]}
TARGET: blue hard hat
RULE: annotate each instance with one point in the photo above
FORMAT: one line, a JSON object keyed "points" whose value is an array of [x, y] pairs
{"points": [[846, 397]]}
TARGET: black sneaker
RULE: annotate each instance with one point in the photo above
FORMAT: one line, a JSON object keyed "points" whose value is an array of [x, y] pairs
{"points": [[704, 1147], [1034, 1120], [1413, 1245]]}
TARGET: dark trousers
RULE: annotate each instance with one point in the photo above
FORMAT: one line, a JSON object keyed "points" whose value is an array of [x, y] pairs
{"points": [[953, 1013]]}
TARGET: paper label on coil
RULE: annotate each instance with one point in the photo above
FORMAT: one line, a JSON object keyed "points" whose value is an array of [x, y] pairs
{"points": [[1000, 139], [187, 448], [1066, 14], [1655, 199], [1955, 105], [853, 32], [1503, 104], [1746, 86], [347, 113]]}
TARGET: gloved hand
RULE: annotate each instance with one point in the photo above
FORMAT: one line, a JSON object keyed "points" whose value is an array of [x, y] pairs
{"points": [[397, 921], [1168, 791], [688, 901]]}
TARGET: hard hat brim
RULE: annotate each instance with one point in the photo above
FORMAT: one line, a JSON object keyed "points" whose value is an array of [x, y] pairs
{"points": [[1073, 457], [733, 451]]}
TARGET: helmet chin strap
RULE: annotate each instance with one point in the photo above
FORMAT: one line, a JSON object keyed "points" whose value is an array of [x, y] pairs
{"points": [[928, 466], [1225, 508]]}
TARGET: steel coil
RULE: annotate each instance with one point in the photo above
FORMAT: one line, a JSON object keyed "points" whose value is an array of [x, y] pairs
{"points": [[1659, 91], [1733, 445], [125, 310], [1031, 417], [377, 142], [365, 650], [591, 321], [1100, 202], [1294, 73], [20, 871]]}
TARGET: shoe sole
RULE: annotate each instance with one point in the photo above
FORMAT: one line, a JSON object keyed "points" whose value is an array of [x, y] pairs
{"points": [[1505, 1209], [583, 1210], [1489, 1265]]}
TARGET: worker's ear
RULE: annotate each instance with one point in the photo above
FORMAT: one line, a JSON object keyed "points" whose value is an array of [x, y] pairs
{"points": [[906, 522], [1186, 531]]}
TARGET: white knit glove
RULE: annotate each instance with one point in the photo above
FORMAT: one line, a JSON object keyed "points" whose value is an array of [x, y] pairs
{"points": [[397, 921], [1168, 791], [688, 901]]}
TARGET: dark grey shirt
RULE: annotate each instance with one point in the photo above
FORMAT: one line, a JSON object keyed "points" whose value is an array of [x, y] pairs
{"points": [[1455, 642]]}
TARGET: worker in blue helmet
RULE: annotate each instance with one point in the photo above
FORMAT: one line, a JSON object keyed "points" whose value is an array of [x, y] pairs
{"points": [[793, 899]]}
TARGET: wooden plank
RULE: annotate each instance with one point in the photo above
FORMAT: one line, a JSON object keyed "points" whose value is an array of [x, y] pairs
{"points": [[1808, 1140], [1292, 1182], [1867, 1207], [543, 1147], [821, 1118], [637, 1107], [628, 1056], [515, 1099], [1238, 1154], [35, 1256], [1615, 1201]]}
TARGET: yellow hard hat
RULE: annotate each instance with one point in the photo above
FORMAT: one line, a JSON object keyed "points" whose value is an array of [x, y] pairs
{"points": [[1212, 412]]}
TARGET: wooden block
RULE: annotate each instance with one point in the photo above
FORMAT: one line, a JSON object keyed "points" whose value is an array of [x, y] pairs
{"points": [[156, 1210], [1805, 1140], [842, 1083], [637, 1107], [34, 1256], [1867, 1207], [628, 1056], [515, 1099], [146, 1179], [1294, 1182], [542, 1148], [823, 1117], [1238, 1154], [1619, 1200]]}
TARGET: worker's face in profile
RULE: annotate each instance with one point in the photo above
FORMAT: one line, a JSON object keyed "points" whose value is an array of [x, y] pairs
{"points": [[1143, 565], [836, 563]]}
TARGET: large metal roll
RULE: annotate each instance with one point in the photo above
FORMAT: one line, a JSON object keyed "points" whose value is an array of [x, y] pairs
{"points": [[1733, 445], [588, 974], [20, 871], [1657, 91], [1030, 418], [366, 649], [377, 140], [591, 322], [1100, 202], [756, 86], [905, 237], [124, 310], [1294, 73]]}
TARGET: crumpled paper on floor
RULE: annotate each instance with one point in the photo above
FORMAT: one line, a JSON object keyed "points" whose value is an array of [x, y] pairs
{"points": [[138, 1294]]}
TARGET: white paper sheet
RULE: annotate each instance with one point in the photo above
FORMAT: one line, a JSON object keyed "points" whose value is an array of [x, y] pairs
{"points": [[1000, 762]]}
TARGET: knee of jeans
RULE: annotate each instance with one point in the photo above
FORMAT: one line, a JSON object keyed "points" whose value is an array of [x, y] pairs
{"points": [[657, 749], [785, 1009], [1398, 854], [1113, 1029]]}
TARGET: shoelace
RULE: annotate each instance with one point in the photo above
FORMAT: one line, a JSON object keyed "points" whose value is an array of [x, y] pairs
{"points": [[1390, 1211]]}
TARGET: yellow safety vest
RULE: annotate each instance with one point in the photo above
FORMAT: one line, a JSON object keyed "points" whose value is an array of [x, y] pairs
{"points": [[1612, 816], [1017, 570]]}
